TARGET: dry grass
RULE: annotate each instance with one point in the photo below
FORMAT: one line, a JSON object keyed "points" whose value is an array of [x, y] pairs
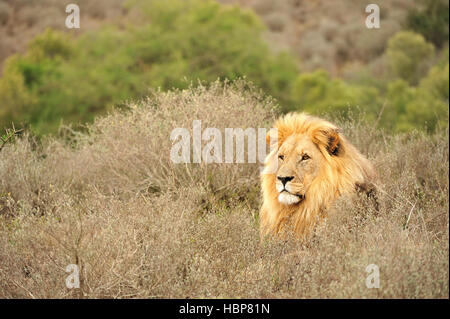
{"points": [[111, 201]]}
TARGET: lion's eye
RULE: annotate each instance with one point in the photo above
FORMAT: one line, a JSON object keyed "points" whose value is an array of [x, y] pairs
{"points": [[305, 157], [281, 157]]}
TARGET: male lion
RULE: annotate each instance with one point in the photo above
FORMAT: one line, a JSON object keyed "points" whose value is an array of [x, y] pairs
{"points": [[311, 165]]}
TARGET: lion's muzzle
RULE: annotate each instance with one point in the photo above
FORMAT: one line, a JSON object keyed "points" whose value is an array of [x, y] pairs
{"points": [[288, 191]]}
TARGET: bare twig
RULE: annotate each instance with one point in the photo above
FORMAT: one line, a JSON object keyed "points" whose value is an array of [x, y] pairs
{"points": [[19, 286], [409, 216], [379, 188], [9, 135], [380, 114]]}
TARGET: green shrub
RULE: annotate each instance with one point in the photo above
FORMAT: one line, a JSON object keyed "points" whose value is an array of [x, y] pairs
{"points": [[437, 83], [318, 93], [421, 107], [15, 98], [431, 21], [408, 55], [398, 107]]}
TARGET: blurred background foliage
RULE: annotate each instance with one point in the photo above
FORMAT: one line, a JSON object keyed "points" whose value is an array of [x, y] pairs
{"points": [[397, 75]]}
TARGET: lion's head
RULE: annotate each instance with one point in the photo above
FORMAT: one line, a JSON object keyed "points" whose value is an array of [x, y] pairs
{"points": [[309, 167]]}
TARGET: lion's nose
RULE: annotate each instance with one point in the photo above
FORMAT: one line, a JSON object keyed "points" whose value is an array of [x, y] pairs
{"points": [[285, 179]]}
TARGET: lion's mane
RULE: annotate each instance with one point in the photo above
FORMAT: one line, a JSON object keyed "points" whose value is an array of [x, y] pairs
{"points": [[344, 170]]}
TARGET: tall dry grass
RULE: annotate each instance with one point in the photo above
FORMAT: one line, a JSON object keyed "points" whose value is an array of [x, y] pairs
{"points": [[138, 226]]}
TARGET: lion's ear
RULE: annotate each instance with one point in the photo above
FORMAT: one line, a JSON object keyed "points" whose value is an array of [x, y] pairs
{"points": [[330, 139], [334, 142]]}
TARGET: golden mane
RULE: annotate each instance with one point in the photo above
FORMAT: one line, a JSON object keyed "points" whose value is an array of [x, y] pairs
{"points": [[343, 170]]}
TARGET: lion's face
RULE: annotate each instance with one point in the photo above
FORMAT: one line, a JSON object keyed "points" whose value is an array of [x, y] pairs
{"points": [[299, 161], [310, 165]]}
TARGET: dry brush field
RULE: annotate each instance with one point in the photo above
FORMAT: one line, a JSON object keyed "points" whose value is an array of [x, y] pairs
{"points": [[139, 226]]}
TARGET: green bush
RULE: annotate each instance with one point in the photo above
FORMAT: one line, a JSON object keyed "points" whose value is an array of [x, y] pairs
{"points": [[431, 21], [437, 83], [398, 107], [409, 55], [15, 98], [318, 93], [421, 107]]}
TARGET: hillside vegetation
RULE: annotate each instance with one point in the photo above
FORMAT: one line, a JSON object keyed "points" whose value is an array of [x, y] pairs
{"points": [[396, 74], [111, 201]]}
